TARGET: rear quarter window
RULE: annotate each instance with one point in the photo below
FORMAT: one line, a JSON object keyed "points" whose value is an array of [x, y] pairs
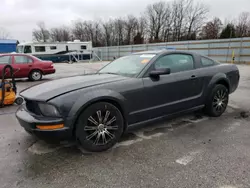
{"points": [[206, 62]]}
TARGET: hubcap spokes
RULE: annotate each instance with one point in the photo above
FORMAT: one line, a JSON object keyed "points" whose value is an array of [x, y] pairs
{"points": [[36, 75], [101, 127], [220, 100]]}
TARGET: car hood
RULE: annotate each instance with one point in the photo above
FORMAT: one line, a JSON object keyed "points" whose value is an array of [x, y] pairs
{"points": [[52, 89]]}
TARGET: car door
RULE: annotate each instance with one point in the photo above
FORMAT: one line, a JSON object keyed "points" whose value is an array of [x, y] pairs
{"points": [[22, 65], [5, 60], [174, 92]]}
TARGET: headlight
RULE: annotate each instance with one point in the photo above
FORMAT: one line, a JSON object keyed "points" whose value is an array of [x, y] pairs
{"points": [[48, 110]]}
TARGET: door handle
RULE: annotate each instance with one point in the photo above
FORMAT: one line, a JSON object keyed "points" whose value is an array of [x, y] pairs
{"points": [[30, 65]]}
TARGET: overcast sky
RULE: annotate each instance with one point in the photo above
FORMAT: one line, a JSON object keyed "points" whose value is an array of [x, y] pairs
{"points": [[19, 17]]}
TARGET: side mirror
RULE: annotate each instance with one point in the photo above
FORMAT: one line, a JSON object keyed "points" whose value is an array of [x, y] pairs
{"points": [[158, 72]]}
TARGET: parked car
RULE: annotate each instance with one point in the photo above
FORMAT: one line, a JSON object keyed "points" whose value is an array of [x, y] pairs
{"points": [[97, 109], [26, 66]]}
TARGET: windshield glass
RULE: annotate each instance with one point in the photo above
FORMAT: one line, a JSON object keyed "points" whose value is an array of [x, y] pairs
{"points": [[128, 65], [19, 49]]}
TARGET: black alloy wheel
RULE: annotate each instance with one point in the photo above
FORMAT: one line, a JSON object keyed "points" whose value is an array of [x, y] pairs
{"points": [[99, 127], [218, 101]]}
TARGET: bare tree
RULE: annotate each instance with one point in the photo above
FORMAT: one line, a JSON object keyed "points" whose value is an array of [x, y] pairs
{"points": [[88, 31], [108, 32], [163, 21], [167, 24], [196, 14], [179, 11], [212, 29], [66, 33], [98, 34], [55, 34], [119, 28], [243, 25], [4, 34], [130, 28], [141, 26], [41, 34], [156, 16], [60, 34], [78, 30], [93, 32]]}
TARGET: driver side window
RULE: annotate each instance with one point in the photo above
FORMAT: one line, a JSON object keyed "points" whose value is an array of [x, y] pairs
{"points": [[176, 62]]}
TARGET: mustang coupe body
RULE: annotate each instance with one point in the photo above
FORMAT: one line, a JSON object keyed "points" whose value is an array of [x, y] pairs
{"points": [[97, 109]]}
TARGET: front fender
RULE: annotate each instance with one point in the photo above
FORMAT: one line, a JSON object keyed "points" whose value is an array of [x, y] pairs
{"points": [[97, 95]]}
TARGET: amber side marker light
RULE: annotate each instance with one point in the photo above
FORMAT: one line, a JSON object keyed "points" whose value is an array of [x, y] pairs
{"points": [[50, 127]]}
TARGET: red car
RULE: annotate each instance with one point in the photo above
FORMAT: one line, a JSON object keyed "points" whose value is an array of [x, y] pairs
{"points": [[26, 66]]}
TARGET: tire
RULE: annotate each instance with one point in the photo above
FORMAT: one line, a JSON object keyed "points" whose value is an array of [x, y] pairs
{"points": [[19, 101], [96, 134], [217, 101], [35, 75]]}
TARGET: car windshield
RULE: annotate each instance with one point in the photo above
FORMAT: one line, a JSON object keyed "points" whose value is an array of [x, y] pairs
{"points": [[128, 65]]}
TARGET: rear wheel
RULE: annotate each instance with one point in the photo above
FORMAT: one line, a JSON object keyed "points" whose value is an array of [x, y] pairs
{"points": [[99, 127], [35, 75], [218, 101]]}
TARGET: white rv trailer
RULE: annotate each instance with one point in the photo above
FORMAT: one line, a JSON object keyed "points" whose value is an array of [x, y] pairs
{"points": [[57, 51]]}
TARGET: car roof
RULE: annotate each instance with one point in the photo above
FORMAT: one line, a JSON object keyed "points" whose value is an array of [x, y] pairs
{"points": [[149, 52], [13, 53], [164, 51]]}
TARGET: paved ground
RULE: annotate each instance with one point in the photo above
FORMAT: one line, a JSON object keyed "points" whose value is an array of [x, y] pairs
{"points": [[187, 152]]}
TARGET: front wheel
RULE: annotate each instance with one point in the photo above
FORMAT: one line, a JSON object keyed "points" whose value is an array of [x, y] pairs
{"points": [[35, 75], [217, 101], [19, 100], [99, 127]]}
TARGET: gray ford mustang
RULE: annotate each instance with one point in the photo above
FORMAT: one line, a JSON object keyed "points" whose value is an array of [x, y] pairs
{"points": [[97, 109]]}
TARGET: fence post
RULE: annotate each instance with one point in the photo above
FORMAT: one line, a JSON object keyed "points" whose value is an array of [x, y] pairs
{"points": [[101, 54], [229, 47], [209, 46], [240, 51], [108, 55], [119, 54]]}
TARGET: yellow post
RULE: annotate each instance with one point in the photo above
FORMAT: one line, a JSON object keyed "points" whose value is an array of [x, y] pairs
{"points": [[233, 57]]}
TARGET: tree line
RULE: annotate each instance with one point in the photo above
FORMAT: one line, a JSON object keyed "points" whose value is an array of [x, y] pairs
{"points": [[161, 22]]}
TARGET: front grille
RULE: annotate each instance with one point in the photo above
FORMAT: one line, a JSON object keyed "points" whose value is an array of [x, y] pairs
{"points": [[32, 106]]}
